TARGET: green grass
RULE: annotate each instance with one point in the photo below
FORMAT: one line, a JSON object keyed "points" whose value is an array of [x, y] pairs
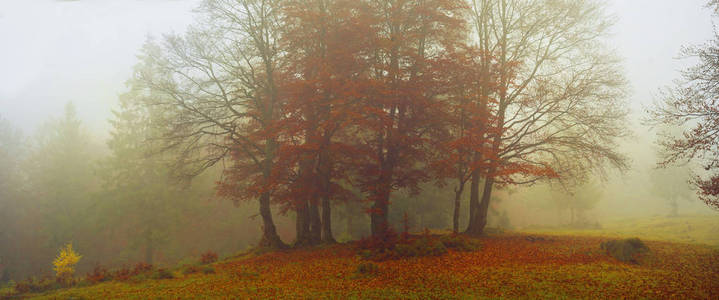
{"points": [[682, 229]]}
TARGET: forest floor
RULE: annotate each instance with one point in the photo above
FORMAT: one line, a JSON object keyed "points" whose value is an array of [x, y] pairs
{"points": [[509, 265]]}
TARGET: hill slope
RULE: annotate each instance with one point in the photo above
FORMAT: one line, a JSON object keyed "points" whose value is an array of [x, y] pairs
{"points": [[508, 265]]}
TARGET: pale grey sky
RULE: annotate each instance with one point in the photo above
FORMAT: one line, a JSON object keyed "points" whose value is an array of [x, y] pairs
{"points": [[54, 51], [83, 51]]}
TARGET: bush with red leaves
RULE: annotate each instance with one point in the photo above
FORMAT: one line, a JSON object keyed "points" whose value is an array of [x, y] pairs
{"points": [[122, 274], [141, 268], [98, 274], [208, 257], [382, 241]]}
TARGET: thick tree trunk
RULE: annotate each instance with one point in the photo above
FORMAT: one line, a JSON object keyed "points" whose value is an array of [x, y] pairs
{"points": [[380, 209], [378, 218], [302, 226], [348, 220], [315, 223], [325, 179], [327, 221], [270, 238], [484, 205], [472, 228], [304, 219], [457, 199]]}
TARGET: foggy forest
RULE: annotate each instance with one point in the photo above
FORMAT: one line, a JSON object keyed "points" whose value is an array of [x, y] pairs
{"points": [[359, 149]]}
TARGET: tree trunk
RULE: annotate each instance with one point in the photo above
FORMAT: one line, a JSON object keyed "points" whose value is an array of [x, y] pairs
{"points": [[480, 217], [302, 226], [325, 178], [378, 217], [270, 238], [327, 221], [457, 199], [304, 219], [350, 214], [315, 223], [484, 205], [380, 208], [472, 227]]}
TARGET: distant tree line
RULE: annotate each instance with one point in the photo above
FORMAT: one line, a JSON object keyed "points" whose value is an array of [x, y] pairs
{"points": [[116, 207]]}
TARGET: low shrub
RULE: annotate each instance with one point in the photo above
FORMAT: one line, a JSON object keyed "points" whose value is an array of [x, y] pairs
{"points": [[460, 243], [625, 250], [386, 240], [122, 274], [32, 285], [98, 274], [208, 257], [425, 245], [141, 268], [191, 269], [64, 264], [208, 270], [7, 291], [162, 274]]}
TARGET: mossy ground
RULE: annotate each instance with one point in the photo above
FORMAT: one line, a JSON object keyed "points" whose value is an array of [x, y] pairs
{"points": [[509, 265]]}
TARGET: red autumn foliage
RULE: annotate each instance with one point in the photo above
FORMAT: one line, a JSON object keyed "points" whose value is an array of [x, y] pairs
{"points": [[508, 266], [98, 274], [122, 274], [376, 96], [141, 268], [321, 87], [402, 113], [386, 240], [208, 257]]}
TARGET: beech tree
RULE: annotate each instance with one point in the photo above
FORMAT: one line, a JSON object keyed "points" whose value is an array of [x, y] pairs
{"points": [[402, 111], [559, 94], [692, 103], [216, 87], [322, 85], [471, 80]]}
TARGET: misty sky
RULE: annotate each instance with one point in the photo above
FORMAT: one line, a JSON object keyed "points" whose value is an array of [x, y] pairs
{"points": [[55, 51]]}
